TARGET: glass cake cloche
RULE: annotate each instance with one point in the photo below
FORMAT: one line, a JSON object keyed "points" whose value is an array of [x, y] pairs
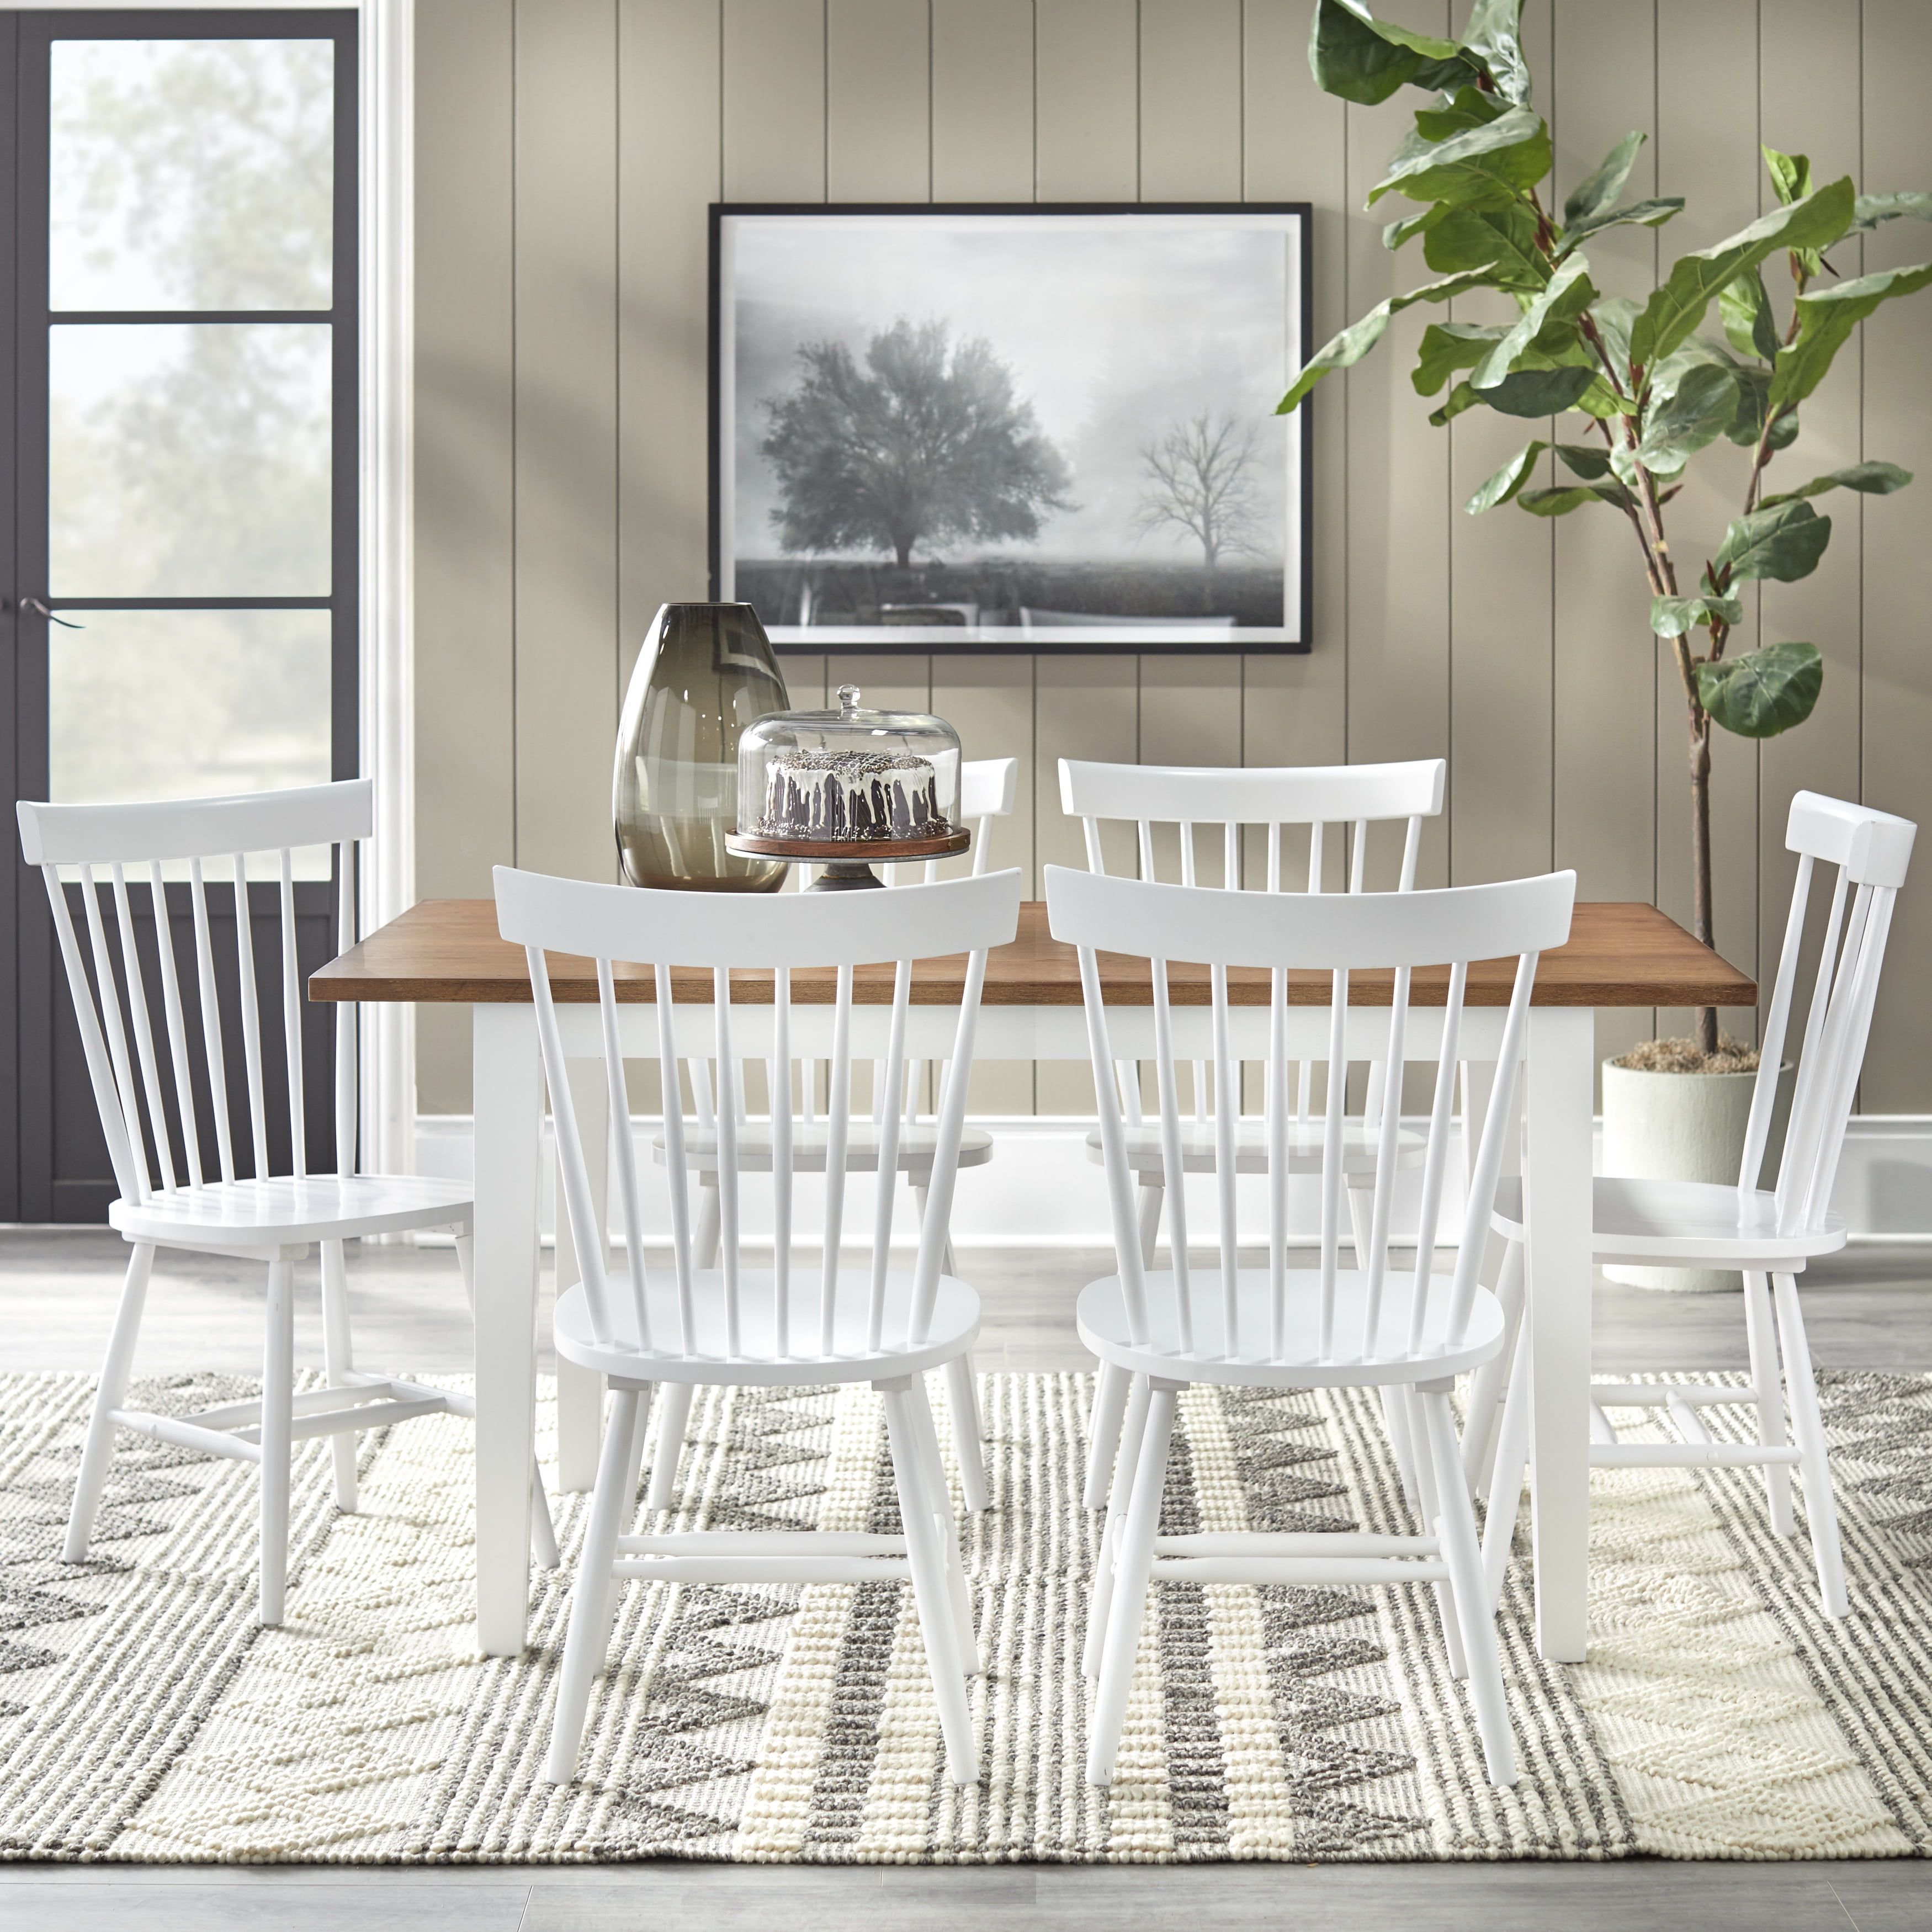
{"points": [[848, 789]]}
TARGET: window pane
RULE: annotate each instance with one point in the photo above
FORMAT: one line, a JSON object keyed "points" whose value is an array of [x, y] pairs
{"points": [[189, 460], [191, 174], [146, 704]]}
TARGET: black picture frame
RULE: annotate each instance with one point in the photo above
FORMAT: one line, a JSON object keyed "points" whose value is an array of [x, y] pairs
{"points": [[1294, 636]]}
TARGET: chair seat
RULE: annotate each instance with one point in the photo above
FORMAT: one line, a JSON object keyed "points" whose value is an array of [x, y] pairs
{"points": [[916, 1142], [955, 1321], [1682, 1223], [1305, 1142], [1103, 1318], [282, 1211]]}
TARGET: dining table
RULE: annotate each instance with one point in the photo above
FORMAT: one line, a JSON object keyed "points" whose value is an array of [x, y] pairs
{"points": [[448, 952]]}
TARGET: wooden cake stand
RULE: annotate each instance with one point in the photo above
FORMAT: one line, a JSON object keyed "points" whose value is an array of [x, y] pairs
{"points": [[848, 863]]}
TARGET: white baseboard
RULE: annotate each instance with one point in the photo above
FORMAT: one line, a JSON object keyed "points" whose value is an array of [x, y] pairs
{"points": [[1041, 1189]]}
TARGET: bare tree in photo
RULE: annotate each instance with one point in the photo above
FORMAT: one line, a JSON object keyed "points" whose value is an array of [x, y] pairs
{"points": [[1203, 477], [927, 444]]}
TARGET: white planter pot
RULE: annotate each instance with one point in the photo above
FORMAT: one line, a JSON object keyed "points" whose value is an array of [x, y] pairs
{"points": [[1683, 1126]]}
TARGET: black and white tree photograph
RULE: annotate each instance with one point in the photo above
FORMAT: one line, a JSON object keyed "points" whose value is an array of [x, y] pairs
{"points": [[1030, 429]]}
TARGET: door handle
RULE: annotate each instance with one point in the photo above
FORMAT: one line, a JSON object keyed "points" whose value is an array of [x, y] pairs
{"points": [[39, 609]]}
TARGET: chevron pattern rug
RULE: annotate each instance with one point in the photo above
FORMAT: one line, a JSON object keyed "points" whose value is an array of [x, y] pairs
{"points": [[144, 1716]]}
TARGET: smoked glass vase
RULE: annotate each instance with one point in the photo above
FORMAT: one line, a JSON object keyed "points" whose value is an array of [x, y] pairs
{"points": [[706, 671]]}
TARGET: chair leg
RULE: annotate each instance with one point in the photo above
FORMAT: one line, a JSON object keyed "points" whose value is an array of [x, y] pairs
{"points": [[1821, 1509], [674, 1400], [1489, 1386], [932, 1471], [1429, 1512], [594, 1590], [338, 1360], [1149, 1226], [278, 1370], [1761, 1327], [1133, 1571], [1507, 1472], [543, 1528], [705, 1238], [1455, 1526], [962, 1408], [931, 1589], [1110, 1404], [99, 1449], [1395, 1418], [1126, 1460]]}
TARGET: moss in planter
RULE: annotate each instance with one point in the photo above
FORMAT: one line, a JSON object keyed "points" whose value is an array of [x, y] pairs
{"points": [[1683, 1056]]}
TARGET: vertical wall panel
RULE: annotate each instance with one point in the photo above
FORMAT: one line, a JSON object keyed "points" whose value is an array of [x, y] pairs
{"points": [[774, 100], [1897, 695], [1707, 151], [1087, 120], [1605, 701], [566, 359], [1191, 100], [465, 443], [878, 81], [983, 100]]}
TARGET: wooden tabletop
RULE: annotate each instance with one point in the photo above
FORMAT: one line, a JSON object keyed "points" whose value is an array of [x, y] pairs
{"points": [[447, 952]]}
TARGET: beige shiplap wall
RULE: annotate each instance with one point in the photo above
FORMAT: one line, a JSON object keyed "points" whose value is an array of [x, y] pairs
{"points": [[567, 150]]}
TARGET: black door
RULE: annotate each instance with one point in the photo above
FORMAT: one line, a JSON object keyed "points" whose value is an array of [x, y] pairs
{"points": [[179, 531]]}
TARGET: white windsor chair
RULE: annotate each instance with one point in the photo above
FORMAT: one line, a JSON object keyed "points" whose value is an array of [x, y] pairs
{"points": [[987, 789], [268, 1217], [1349, 799], [1325, 1327], [1767, 1235], [659, 1328]]}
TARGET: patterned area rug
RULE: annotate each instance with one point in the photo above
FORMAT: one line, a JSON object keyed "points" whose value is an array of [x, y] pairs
{"points": [[143, 1715]]}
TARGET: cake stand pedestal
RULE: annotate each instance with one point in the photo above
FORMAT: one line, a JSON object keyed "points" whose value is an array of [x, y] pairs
{"points": [[848, 863]]}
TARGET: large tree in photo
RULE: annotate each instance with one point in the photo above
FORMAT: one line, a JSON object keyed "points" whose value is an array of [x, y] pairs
{"points": [[1202, 477], [927, 444]]}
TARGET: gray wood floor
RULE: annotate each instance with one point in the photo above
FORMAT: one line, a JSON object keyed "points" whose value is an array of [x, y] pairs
{"points": [[1865, 1309]]}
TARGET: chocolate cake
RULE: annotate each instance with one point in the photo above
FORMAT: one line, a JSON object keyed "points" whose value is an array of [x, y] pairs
{"points": [[855, 795]]}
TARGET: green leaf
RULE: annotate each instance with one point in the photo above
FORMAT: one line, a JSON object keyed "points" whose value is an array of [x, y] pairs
{"points": [[1764, 691], [1568, 294], [1652, 214], [1502, 240], [1491, 163], [1871, 209], [1614, 316], [1598, 192], [1411, 226], [1461, 397], [1871, 479], [1508, 480], [1674, 311], [1584, 459], [1671, 617], [1468, 107], [1345, 350], [1447, 346], [1537, 392], [1790, 175], [1750, 327], [1784, 542], [1561, 503], [1362, 59], [1697, 413], [1825, 320], [1494, 37]]}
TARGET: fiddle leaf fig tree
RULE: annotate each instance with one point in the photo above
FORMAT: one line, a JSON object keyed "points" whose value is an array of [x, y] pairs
{"points": [[1709, 359]]}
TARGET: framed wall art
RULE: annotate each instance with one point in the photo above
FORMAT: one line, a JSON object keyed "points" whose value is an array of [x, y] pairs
{"points": [[1025, 428]]}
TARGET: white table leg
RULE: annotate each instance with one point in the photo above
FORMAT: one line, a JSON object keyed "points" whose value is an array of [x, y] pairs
{"points": [[508, 1083], [580, 1392], [1562, 1047]]}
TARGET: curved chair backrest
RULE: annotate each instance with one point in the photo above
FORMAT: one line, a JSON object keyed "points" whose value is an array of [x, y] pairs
{"points": [[1316, 795], [1337, 933], [777, 934], [1871, 852], [230, 830]]}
